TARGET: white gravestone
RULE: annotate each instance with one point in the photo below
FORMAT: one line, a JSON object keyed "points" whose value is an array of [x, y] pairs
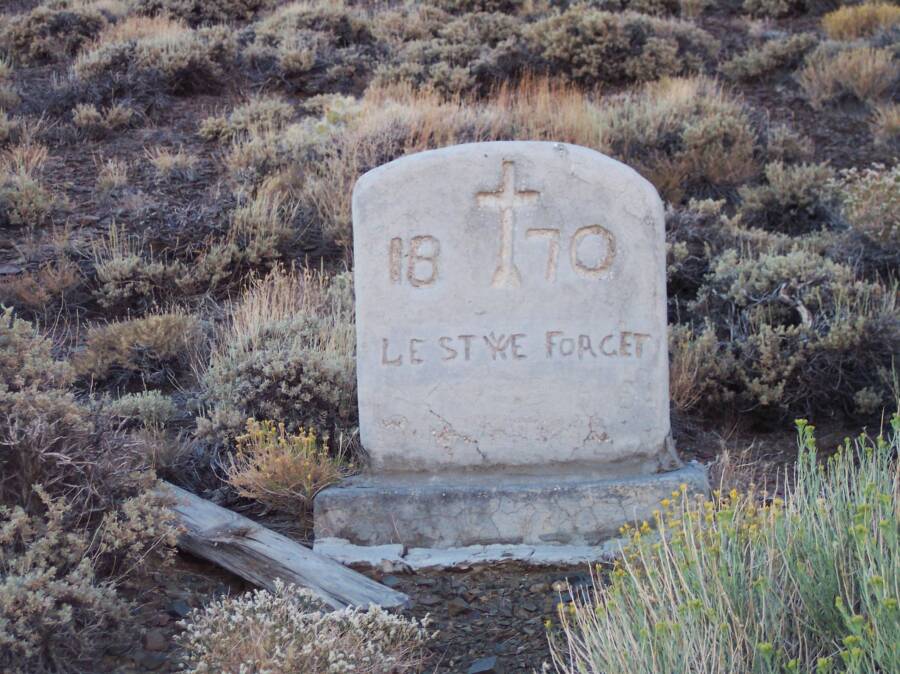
{"points": [[511, 322]]}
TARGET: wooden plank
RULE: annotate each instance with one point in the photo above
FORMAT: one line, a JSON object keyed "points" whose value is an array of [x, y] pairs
{"points": [[261, 555]]}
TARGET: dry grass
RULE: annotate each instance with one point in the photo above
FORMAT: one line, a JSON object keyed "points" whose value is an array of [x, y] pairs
{"points": [[885, 122], [281, 296], [43, 289], [300, 325], [136, 28], [24, 201], [867, 73], [112, 174], [697, 366], [154, 347], [680, 134], [282, 470], [169, 165], [853, 22]]}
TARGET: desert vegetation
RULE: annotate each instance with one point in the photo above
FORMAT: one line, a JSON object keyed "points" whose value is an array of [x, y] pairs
{"points": [[176, 282], [804, 583]]}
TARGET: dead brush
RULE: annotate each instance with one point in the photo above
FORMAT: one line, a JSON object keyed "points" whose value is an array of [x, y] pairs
{"points": [[169, 165], [885, 122], [282, 470], [867, 73], [112, 174], [24, 201], [853, 22], [297, 323], [38, 291]]}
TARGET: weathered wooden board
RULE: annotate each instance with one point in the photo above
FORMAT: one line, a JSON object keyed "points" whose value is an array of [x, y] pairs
{"points": [[262, 556]]}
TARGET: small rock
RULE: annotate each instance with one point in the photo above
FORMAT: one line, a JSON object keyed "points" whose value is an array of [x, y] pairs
{"points": [[390, 581], [457, 607], [430, 600], [530, 606], [149, 661], [179, 608], [161, 619], [484, 666], [155, 640], [9, 269], [538, 588]]}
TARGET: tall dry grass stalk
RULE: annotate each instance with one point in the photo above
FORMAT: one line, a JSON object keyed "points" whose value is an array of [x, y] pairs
{"points": [[284, 295]]}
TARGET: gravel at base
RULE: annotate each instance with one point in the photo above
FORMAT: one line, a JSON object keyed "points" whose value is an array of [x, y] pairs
{"points": [[482, 611]]}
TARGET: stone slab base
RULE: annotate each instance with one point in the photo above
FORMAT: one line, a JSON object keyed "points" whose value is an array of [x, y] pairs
{"points": [[395, 558], [462, 511]]}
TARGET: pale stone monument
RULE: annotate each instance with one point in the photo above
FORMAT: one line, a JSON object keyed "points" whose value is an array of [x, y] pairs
{"points": [[511, 351]]}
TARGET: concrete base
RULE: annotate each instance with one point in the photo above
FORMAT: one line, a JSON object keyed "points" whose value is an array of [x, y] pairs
{"points": [[466, 510], [397, 559]]}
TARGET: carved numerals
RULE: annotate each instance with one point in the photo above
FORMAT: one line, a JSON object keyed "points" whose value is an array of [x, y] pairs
{"points": [[422, 268], [417, 260], [579, 266]]}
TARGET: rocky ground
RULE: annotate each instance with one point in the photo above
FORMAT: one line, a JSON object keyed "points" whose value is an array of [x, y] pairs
{"points": [[488, 618]]}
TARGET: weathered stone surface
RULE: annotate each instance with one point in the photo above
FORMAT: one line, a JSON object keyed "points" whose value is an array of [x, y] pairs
{"points": [[570, 510], [511, 311], [511, 356]]}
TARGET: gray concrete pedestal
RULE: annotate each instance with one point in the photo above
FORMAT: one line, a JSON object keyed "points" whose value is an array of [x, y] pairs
{"points": [[522, 512]]}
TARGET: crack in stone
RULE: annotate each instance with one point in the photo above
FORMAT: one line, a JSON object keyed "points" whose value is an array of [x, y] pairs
{"points": [[444, 436]]}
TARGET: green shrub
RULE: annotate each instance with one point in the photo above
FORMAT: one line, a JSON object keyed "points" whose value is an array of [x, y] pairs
{"points": [[590, 46], [782, 8], [46, 34], [196, 12], [256, 115], [291, 630], [42, 424], [151, 409], [871, 202], [156, 55], [795, 199], [786, 145], [785, 52], [699, 364], [314, 47], [155, 348], [806, 333], [473, 52], [288, 354], [743, 584], [59, 605], [473, 6], [24, 200], [834, 71], [53, 608], [654, 7]]}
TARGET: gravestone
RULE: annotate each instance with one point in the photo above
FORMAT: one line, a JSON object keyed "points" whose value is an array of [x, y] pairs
{"points": [[511, 351]]}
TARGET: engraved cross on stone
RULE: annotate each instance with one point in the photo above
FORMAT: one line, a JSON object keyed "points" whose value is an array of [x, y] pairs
{"points": [[505, 199]]}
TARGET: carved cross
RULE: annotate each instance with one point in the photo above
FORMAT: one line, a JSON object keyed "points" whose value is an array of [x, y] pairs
{"points": [[505, 199]]}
